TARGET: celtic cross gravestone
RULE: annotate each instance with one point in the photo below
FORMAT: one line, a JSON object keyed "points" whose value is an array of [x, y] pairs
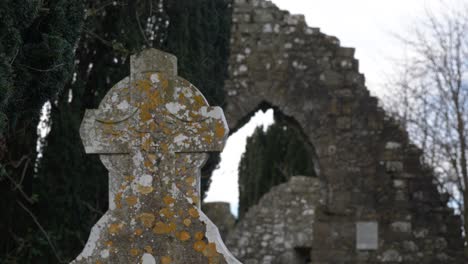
{"points": [[152, 131]]}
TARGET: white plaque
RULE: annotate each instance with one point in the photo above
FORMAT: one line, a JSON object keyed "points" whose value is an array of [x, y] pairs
{"points": [[367, 235]]}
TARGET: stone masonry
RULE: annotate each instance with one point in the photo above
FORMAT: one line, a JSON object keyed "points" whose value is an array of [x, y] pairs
{"points": [[279, 228], [380, 204], [152, 130]]}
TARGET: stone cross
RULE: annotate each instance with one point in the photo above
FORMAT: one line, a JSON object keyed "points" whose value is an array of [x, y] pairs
{"points": [[152, 131]]}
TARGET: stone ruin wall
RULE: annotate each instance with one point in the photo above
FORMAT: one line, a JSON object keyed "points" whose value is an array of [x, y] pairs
{"points": [[273, 230], [370, 174]]}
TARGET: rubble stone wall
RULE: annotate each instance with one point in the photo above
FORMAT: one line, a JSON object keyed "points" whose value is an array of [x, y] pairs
{"points": [[369, 172]]}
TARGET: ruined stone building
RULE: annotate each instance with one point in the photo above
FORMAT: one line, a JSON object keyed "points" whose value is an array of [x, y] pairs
{"points": [[372, 200]]}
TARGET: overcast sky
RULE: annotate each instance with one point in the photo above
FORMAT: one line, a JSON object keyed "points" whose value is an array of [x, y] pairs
{"points": [[368, 26]]}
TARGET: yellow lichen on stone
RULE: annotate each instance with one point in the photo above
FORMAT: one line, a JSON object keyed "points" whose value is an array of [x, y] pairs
{"points": [[118, 200], [194, 213], [166, 260], [134, 251], [149, 249], [146, 145], [187, 222], [214, 260], [129, 178], [138, 231], [199, 235], [190, 180], [195, 199], [168, 200], [147, 219], [199, 246], [162, 228], [183, 236], [144, 189], [219, 130], [131, 200], [199, 102], [166, 212], [210, 250], [115, 228], [165, 83]]}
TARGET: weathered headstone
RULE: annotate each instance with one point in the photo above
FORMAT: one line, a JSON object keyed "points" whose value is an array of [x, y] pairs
{"points": [[152, 131]]}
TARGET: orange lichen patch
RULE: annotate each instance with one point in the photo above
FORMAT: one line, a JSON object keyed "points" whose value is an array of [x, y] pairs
{"points": [[129, 178], [181, 213], [199, 101], [143, 85], [134, 251], [190, 180], [118, 200], [220, 131], [131, 200], [145, 115], [146, 145], [149, 249], [210, 250], [148, 163], [199, 246], [162, 228], [138, 231], [166, 260], [199, 235], [214, 260], [166, 212], [195, 199], [164, 147], [187, 222], [109, 243], [152, 157], [194, 213], [168, 200], [115, 228], [147, 219], [182, 97], [183, 235], [207, 138], [165, 83], [144, 189], [109, 129], [194, 115]]}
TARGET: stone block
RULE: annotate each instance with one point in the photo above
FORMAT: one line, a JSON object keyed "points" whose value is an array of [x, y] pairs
{"points": [[394, 166], [367, 235], [343, 122], [401, 227]]}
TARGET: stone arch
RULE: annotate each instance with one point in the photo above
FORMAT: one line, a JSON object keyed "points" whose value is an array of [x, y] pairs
{"points": [[370, 171], [320, 91], [289, 120]]}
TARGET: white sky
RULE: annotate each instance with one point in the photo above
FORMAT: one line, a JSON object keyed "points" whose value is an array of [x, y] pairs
{"points": [[224, 186], [368, 26]]}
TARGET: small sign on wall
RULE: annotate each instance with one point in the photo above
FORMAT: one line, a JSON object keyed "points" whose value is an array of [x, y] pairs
{"points": [[367, 235]]}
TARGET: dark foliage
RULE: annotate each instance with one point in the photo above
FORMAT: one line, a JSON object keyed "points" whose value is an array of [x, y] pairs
{"points": [[68, 191], [271, 158], [37, 40]]}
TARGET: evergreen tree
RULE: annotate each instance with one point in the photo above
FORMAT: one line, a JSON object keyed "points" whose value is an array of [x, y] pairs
{"points": [[271, 158], [37, 40]]}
